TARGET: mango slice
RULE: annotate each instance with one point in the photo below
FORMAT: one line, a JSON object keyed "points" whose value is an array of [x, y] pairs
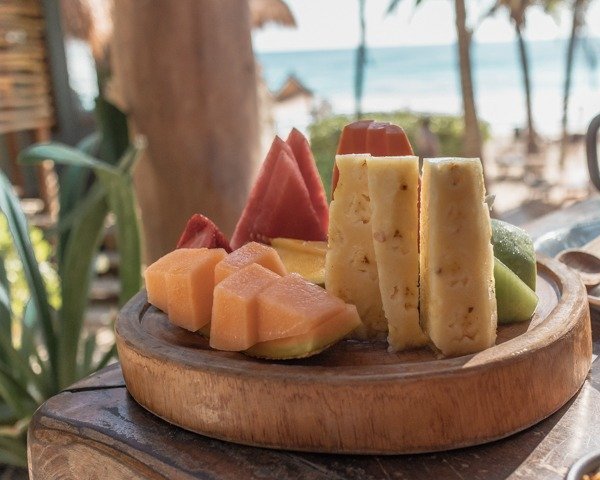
{"points": [[306, 258]]}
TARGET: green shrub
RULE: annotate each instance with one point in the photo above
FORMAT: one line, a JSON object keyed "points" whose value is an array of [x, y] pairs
{"points": [[324, 136]]}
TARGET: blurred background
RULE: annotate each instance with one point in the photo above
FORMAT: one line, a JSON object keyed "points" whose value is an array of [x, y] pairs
{"points": [[156, 109]]}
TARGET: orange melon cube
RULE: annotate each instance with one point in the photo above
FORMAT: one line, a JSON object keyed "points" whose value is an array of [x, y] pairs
{"points": [[248, 254], [234, 325], [293, 306], [311, 342], [154, 275], [190, 288]]}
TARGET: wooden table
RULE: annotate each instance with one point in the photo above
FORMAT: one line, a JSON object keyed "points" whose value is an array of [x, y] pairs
{"points": [[94, 429]]}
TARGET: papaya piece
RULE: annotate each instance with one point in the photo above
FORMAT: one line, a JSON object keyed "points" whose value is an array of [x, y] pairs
{"points": [[312, 342], [248, 254], [155, 274], [234, 325], [190, 288], [292, 306]]}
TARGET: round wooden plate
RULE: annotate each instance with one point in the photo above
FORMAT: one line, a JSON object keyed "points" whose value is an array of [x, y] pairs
{"points": [[357, 397]]}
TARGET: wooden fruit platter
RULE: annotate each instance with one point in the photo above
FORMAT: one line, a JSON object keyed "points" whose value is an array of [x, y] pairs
{"points": [[357, 397]]}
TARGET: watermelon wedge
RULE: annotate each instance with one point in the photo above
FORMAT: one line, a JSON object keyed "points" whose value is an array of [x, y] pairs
{"points": [[201, 232], [281, 201], [377, 138], [308, 168]]}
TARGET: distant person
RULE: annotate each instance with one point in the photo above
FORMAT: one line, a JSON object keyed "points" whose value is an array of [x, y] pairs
{"points": [[428, 143]]}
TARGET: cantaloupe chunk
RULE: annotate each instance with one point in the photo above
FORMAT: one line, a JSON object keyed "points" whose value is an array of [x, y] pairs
{"points": [[154, 275], [234, 325], [293, 306], [190, 288], [312, 342], [248, 254]]}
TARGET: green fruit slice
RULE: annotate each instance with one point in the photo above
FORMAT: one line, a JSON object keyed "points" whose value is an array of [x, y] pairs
{"points": [[516, 301], [514, 248]]}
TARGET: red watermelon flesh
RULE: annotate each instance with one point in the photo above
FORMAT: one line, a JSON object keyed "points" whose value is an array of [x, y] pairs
{"points": [[287, 210], [201, 232], [308, 168], [246, 223], [376, 138]]}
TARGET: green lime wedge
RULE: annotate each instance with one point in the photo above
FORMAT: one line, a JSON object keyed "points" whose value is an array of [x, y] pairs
{"points": [[514, 248], [516, 301]]}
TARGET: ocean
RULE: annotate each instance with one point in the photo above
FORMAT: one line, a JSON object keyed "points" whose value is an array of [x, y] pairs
{"points": [[426, 79]]}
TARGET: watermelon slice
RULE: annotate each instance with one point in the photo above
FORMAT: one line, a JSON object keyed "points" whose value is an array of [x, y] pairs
{"points": [[201, 232], [280, 203], [308, 168], [289, 212], [376, 138]]}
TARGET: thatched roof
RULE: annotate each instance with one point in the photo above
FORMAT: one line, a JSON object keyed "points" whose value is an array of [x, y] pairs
{"points": [[292, 88], [82, 17], [263, 12]]}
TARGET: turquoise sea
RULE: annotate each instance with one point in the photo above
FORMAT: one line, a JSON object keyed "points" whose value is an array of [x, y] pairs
{"points": [[426, 79]]}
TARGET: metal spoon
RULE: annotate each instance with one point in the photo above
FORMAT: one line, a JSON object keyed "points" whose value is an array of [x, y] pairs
{"points": [[585, 261]]}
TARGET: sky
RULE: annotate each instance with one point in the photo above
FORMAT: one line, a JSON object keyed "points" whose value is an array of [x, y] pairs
{"points": [[333, 24]]}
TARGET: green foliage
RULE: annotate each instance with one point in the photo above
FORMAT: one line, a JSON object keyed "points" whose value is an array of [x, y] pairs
{"points": [[324, 136], [43, 347]]}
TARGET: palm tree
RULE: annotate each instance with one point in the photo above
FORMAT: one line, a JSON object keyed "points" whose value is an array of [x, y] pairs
{"points": [[361, 60], [516, 10], [472, 138], [579, 8], [472, 146]]}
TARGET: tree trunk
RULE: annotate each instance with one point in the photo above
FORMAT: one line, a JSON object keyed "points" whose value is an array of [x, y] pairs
{"points": [[361, 60], [472, 136], [578, 7], [187, 73], [532, 146]]}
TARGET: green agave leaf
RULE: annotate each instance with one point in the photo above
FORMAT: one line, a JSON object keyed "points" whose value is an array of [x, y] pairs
{"points": [[122, 204], [64, 155], [88, 354], [106, 358], [90, 144], [13, 451], [114, 131], [18, 364], [5, 315], [77, 270], [28, 349], [17, 224], [7, 416], [5, 308], [16, 395]]}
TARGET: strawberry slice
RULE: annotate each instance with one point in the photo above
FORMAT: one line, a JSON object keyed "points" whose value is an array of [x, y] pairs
{"points": [[201, 232]]}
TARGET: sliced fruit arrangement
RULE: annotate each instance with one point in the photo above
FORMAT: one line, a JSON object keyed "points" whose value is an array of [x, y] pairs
{"points": [[250, 301], [268, 301]]}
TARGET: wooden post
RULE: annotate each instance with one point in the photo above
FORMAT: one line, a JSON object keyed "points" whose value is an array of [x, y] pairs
{"points": [[186, 70]]}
